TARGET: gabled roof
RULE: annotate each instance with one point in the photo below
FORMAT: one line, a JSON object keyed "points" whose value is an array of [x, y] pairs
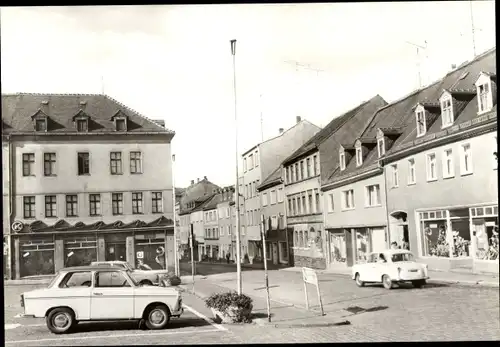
{"points": [[330, 128], [400, 114], [17, 110], [273, 179], [212, 203]]}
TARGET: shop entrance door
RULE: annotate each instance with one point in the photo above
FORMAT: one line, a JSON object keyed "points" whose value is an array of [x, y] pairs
{"points": [[116, 251]]}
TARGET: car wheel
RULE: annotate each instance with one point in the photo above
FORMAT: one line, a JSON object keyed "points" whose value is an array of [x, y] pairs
{"points": [[146, 283], [387, 282], [358, 281], [60, 320], [157, 317], [418, 284]]}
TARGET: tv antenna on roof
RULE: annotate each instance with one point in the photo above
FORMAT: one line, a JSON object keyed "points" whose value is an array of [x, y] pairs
{"points": [[419, 66]]}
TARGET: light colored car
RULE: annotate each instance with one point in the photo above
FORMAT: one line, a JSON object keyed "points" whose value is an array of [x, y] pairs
{"points": [[144, 277], [97, 293], [390, 267]]}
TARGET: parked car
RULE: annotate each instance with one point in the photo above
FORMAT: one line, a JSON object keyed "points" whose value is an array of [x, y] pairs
{"points": [[390, 267], [144, 277], [96, 293]]}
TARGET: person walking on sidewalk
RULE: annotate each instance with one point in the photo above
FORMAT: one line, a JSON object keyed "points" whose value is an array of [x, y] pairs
{"points": [[228, 256]]}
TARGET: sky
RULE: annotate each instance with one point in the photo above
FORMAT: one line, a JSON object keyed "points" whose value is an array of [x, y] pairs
{"points": [[174, 62]]}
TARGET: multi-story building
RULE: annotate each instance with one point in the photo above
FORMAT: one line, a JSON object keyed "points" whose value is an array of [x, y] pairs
{"points": [[211, 216], [89, 179], [279, 240], [226, 220], [258, 163], [302, 176], [425, 163]]}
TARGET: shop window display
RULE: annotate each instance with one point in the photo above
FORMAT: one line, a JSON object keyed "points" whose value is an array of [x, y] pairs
{"points": [[362, 244], [433, 224], [338, 248]]}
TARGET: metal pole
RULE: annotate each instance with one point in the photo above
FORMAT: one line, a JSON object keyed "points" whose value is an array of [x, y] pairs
{"points": [[473, 33], [191, 232], [176, 256], [263, 233], [237, 187]]}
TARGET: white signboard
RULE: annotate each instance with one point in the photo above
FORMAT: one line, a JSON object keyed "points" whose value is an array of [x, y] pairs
{"points": [[140, 255], [310, 276]]}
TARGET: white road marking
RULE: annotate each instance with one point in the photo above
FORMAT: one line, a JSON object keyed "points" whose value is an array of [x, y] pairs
{"points": [[217, 326], [113, 336], [11, 326]]}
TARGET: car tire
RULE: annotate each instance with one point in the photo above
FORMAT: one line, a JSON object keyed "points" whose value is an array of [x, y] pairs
{"points": [[60, 320], [359, 283], [419, 283], [146, 283], [387, 282], [157, 317]]}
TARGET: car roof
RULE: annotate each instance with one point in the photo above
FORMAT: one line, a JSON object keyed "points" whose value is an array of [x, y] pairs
{"points": [[393, 251], [92, 268]]}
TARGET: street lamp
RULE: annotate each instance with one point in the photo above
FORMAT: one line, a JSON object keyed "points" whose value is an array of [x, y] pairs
{"points": [[237, 187]]}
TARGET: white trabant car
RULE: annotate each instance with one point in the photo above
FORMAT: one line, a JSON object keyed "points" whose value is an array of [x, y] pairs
{"points": [[93, 293], [144, 277], [390, 267]]}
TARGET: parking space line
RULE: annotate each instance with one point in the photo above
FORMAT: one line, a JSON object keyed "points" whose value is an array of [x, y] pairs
{"points": [[215, 325], [113, 336]]}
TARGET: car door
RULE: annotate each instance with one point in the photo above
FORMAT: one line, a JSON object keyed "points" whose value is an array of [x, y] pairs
{"points": [[74, 291], [112, 296], [370, 267]]}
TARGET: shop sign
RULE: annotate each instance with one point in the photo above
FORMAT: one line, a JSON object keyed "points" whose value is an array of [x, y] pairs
{"points": [[140, 255]]}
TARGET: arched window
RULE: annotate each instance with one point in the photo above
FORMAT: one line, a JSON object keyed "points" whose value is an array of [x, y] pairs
{"points": [[296, 239], [306, 238], [312, 235], [301, 239]]}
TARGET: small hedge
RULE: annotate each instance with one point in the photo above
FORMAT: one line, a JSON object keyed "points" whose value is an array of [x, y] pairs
{"points": [[222, 301]]}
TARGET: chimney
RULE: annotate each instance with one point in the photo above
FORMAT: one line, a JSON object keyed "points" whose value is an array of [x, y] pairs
{"points": [[298, 119], [198, 180], [205, 178], [44, 106], [83, 105], [281, 130], [453, 66], [192, 182]]}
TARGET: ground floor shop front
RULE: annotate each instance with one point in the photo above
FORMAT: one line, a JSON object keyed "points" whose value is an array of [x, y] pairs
{"points": [[308, 245], [44, 253], [459, 237], [348, 246]]}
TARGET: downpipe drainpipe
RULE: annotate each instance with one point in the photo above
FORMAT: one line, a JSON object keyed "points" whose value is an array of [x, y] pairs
{"points": [[386, 190]]}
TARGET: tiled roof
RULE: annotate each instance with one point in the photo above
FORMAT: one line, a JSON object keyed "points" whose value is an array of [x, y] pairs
{"points": [[62, 225], [18, 109], [329, 129], [401, 113], [212, 203], [273, 179]]}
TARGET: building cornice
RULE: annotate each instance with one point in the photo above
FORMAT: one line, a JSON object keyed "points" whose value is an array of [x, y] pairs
{"points": [[370, 171], [295, 158]]}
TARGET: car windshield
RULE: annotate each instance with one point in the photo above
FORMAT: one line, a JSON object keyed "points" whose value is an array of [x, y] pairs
{"points": [[54, 279], [127, 266], [129, 273], [402, 257]]}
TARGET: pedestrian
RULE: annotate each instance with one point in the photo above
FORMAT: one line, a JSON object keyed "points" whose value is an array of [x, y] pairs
{"points": [[394, 245], [228, 256]]}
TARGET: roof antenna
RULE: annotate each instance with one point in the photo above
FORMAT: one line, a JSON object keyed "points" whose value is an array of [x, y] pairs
{"points": [[473, 30], [419, 67], [261, 121], [102, 84]]}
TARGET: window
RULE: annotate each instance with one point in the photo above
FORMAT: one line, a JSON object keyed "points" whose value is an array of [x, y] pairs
{"points": [[342, 161], [287, 177], [81, 125], [110, 279], [245, 164], [256, 158], [50, 206], [77, 279], [83, 164], [310, 200], [348, 199], [274, 222], [264, 199], [394, 176], [466, 160], [318, 203], [49, 164], [135, 162], [121, 125], [29, 206], [484, 100], [280, 194], [359, 157], [117, 203], [331, 203], [71, 205], [302, 169], [446, 113], [290, 207], [273, 197], [373, 195], [29, 164], [495, 158], [308, 167], [294, 207], [250, 162], [304, 207], [431, 167], [315, 164], [412, 178], [116, 163], [297, 177], [381, 147], [281, 221], [157, 200], [283, 252], [41, 125], [95, 204], [421, 126], [448, 169]]}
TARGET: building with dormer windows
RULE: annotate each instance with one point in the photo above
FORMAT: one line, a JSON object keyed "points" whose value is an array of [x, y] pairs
{"points": [[87, 179]]}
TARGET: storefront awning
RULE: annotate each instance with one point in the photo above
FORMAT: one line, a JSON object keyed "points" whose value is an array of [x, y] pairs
{"points": [[63, 226]]}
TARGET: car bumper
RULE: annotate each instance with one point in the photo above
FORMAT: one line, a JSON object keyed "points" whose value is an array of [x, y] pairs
{"points": [[178, 313], [412, 278]]}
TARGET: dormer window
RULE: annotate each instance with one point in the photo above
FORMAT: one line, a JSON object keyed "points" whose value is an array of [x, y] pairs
{"points": [[82, 125], [121, 124], [359, 157], [381, 147], [421, 126], [446, 111], [342, 161], [484, 93], [41, 124]]}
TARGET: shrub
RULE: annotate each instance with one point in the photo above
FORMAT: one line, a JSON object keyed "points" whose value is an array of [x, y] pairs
{"points": [[222, 301]]}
